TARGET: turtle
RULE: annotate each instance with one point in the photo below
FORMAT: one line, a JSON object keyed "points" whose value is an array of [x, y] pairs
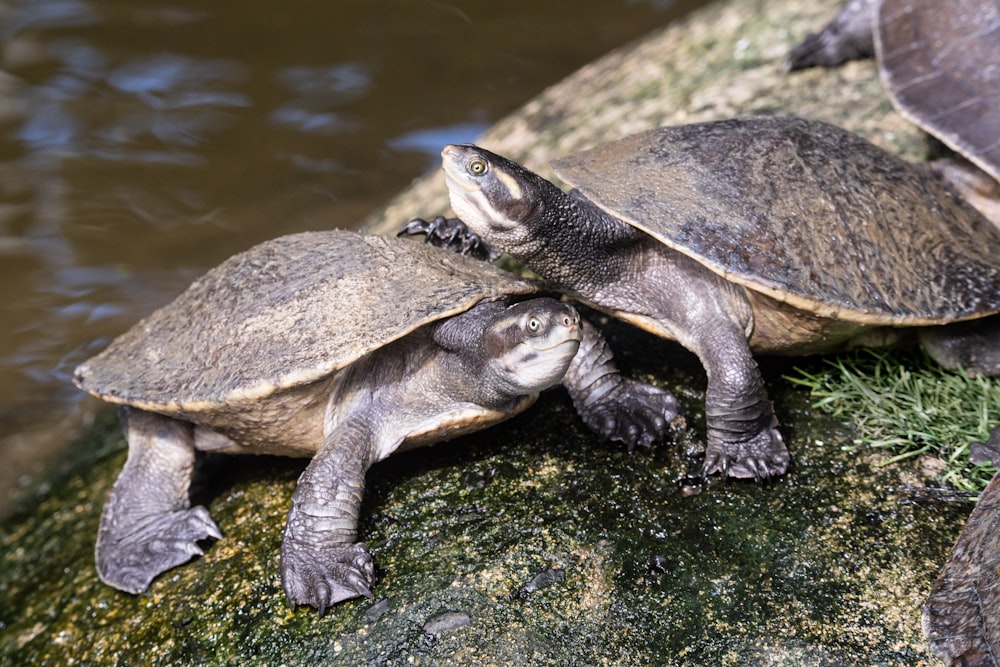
{"points": [[743, 236], [342, 347], [940, 64], [957, 615]]}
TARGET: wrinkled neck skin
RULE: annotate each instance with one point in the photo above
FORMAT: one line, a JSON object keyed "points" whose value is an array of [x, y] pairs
{"points": [[410, 387], [574, 241], [609, 264], [466, 361]]}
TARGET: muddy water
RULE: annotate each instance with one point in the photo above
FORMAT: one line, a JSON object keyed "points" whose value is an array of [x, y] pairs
{"points": [[142, 142]]}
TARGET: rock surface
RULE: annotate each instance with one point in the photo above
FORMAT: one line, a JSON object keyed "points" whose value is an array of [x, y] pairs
{"points": [[533, 543]]}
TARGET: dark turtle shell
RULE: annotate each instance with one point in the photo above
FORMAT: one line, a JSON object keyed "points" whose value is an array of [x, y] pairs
{"points": [[804, 212], [959, 615], [286, 313], [940, 62]]}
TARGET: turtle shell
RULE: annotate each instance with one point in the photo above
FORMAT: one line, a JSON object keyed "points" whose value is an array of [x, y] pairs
{"points": [[286, 313], [804, 212], [940, 62]]}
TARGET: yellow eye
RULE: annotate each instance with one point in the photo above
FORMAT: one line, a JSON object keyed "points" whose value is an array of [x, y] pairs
{"points": [[534, 324], [477, 167]]}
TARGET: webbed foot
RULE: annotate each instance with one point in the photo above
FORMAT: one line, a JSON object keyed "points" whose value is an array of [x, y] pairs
{"points": [[130, 561], [759, 458], [322, 577], [451, 234], [634, 413]]}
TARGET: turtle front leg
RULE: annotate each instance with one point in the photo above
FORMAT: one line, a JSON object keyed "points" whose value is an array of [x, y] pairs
{"points": [[618, 408], [451, 234], [148, 526], [321, 563], [743, 440]]}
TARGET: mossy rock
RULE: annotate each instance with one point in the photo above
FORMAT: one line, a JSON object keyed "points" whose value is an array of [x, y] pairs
{"points": [[529, 543], [533, 542]]}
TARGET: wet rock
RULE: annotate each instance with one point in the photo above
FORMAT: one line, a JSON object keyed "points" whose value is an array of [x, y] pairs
{"points": [[623, 567]]}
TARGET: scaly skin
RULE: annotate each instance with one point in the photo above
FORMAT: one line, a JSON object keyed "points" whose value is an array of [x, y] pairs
{"points": [[148, 525]]}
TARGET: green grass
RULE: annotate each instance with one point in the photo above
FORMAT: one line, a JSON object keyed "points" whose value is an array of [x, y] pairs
{"points": [[906, 404]]}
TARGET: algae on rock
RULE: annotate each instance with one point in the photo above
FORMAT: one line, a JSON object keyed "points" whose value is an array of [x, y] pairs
{"points": [[825, 566]]}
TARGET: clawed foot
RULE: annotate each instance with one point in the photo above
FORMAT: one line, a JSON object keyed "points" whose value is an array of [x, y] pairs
{"points": [[451, 234], [129, 562], [762, 457], [322, 577], [633, 413]]}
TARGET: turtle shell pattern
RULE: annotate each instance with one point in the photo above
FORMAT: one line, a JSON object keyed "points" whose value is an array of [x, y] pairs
{"points": [[804, 212], [286, 313]]}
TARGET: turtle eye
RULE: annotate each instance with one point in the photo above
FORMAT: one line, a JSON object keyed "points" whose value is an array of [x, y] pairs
{"points": [[534, 324], [477, 167]]}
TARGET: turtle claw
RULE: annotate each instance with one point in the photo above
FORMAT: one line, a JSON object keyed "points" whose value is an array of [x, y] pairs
{"points": [[760, 458], [636, 414], [714, 462], [321, 578], [451, 234], [130, 561]]}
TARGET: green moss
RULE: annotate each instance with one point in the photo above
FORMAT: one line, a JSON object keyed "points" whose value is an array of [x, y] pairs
{"points": [[905, 405]]}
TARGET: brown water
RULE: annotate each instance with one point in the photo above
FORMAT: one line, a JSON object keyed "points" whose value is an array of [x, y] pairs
{"points": [[142, 142]]}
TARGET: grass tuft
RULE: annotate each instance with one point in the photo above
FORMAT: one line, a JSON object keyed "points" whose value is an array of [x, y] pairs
{"points": [[906, 404]]}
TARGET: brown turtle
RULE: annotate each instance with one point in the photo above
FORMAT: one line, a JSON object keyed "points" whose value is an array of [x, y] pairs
{"points": [[344, 348], [940, 64], [754, 235]]}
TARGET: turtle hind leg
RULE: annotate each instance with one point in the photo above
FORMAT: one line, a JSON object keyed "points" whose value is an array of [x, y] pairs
{"points": [[148, 526], [617, 408], [973, 345]]}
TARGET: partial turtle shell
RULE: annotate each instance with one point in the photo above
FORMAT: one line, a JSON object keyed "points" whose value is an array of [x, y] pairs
{"points": [[286, 313], [804, 212], [940, 62]]}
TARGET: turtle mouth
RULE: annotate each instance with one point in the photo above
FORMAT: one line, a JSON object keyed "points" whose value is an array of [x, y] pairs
{"points": [[536, 368], [566, 342], [551, 354]]}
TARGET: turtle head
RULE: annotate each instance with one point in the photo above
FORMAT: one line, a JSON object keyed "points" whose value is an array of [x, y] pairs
{"points": [[529, 346], [517, 349], [496, 198]]}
